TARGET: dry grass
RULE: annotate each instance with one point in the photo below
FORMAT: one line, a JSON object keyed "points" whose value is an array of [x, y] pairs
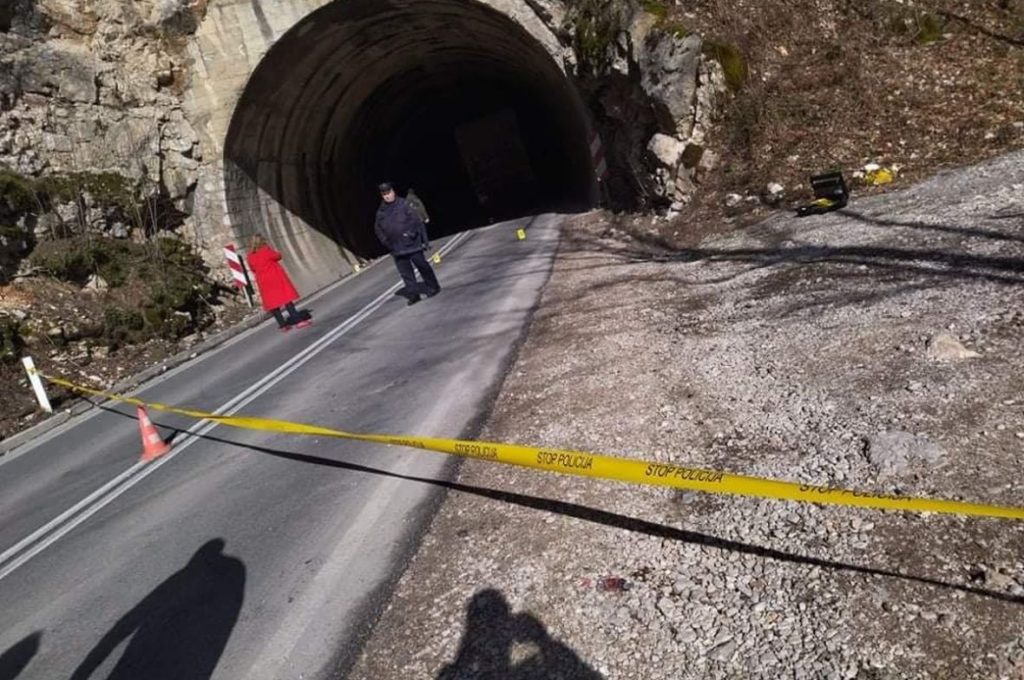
{"points": [[838, 83]]}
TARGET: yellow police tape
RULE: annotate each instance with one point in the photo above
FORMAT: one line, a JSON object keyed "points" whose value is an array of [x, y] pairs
{"points": [[594, 465]]}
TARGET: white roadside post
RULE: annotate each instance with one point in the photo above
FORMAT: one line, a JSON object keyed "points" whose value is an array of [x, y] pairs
{"points": [[37, 384], [597, 156]]}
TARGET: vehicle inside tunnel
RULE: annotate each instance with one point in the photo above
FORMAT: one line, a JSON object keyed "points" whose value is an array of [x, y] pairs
{"points": [[449, 97]]}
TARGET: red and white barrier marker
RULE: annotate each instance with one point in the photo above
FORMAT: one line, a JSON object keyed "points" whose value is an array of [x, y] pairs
{"points": [[597, 156], [238, 274]]}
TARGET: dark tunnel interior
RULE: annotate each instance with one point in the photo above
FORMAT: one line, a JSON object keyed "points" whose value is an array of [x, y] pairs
{"points": [[449, 97]]}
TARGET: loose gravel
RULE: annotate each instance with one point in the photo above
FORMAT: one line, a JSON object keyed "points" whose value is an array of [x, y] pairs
{"points": [[796, 349]]}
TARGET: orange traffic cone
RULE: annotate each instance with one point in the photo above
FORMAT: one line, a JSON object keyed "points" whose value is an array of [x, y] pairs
{"points": [[152, 445]]}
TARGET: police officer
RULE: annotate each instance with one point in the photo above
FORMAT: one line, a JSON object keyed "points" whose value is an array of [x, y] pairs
{"points": [[401, 230]]}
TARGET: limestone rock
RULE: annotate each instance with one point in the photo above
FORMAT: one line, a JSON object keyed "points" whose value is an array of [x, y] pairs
{"points": [[685, 187], [998, 580], [46, 226], [179, 174], [75, 15], [95, 218], [774, 193], [551, 12], [543, 19], [177, 134], [174, 15], [61, 69], [137, 87], [18, 315], [895, 451], [724, 651], [58, 143], [944, 347], [711, 87], [664, 180], [96, 283], [708, 162], [68, 214], [668, 69], [668, 150]]}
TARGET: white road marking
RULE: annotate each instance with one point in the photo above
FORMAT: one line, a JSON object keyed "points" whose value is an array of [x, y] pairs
{"points": [[92, 412], [54, 530]]}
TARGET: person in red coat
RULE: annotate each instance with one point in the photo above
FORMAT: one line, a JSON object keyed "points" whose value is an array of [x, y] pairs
{"points": [[276, 289]]}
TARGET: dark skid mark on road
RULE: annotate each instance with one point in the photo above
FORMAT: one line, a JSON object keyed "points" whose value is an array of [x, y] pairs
{"points": [[181, 628]]}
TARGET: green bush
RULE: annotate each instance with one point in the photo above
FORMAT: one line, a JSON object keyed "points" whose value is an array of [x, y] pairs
{"points": [[76, 259], [106, 188], [17, 193], [656, 8], [62, 260], [661, 11], [929, 28], [30, 194], [123, 326], [595, 26], [177, 289], [692, 155], [177, 276], [11, 342], [673, 27], [164, 276], [921, 26], [12, 232], [733, 64]]}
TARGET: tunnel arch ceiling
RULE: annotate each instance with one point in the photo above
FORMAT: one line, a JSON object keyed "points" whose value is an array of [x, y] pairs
{"points": [[450, 97]]}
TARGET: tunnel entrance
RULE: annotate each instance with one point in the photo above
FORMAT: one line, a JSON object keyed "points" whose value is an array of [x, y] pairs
{"points": [[449, 97]]}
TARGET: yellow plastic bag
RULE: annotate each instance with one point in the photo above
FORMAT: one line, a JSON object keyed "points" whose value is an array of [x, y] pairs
{"points": [[879, 176]]}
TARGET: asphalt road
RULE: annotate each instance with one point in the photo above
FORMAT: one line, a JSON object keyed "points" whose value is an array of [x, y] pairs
{"points": [[254, 555]]}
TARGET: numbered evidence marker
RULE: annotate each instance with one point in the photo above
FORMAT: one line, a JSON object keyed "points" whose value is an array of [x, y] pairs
{"points": [[521, 234]]}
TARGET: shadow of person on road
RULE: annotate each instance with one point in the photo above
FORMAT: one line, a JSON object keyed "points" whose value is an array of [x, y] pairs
{"points": [[500, 645], [181, 628], [15, 659]]}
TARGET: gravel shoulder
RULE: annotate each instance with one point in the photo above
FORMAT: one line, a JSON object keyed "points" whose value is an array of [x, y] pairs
{"points": [[796, 349]]}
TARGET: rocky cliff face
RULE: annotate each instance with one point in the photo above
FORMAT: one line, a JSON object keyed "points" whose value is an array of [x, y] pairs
{"points": [[675, 89], [88, 88], [653, 90], [100, 87]]}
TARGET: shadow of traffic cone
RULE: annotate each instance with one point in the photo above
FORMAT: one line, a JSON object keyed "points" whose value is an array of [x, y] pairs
{"points": [[152, 445]]}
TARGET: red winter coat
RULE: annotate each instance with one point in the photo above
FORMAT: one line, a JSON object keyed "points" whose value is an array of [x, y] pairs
{"points": [[276, 289]]}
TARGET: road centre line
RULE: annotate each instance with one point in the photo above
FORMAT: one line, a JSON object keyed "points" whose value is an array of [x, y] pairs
{"points": [[55, 529], [92, 411]]}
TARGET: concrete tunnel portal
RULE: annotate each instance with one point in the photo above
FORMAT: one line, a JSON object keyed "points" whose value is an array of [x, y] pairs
{"points": [[450, 97]]}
